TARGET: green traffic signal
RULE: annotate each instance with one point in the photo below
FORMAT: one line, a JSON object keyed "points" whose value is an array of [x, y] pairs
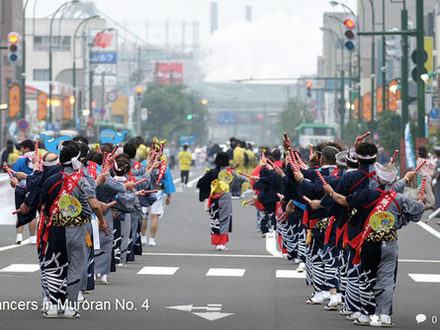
{"points": [[189, 117]]}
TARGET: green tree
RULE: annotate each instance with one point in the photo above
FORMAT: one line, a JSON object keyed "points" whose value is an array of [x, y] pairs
{"points": [[352, 129], [389, 128], [294, 113], [173, 111]]}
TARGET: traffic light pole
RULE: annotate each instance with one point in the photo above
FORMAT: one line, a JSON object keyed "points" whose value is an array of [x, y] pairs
{"points": [[384, 64], [404, 67], [420, 67]]}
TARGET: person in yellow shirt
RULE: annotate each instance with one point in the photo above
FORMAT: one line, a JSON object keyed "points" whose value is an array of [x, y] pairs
{"points": [[185, 158]]}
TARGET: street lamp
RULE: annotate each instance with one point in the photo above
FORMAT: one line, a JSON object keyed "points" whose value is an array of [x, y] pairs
{"points": [[84, 21], [336, 3], [50, 51]]}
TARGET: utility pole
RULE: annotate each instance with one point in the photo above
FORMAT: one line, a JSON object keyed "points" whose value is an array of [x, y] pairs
{"points": [[404, 68], [420, 67]]}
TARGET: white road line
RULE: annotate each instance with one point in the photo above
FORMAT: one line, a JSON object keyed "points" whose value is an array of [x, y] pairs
{"points": [[192, 182], [420, 261], [13, 246], [226, 272], [20, 268], [425, 278], [281, 273], [208, 255], [271, 245], [158, 271], [429, 229]]}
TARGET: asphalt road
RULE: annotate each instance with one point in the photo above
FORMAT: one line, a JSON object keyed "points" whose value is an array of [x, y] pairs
{"points": [[190, 295]]}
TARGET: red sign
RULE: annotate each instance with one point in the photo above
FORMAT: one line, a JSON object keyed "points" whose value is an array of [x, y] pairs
{"points": [[168, 73], [103, 39]]}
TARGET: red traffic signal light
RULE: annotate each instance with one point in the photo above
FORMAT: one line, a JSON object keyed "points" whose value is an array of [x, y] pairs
{"points": [[139, 89], [260, 116], [350, 23], [13, 37], [309, 84]]}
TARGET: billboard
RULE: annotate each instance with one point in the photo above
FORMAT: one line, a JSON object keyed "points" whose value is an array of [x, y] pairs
{"points": [[168, 73]]}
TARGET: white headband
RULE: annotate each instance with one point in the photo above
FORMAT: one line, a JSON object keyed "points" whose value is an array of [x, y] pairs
{"points": [[366, 157], [72, 159], [51, 163]]}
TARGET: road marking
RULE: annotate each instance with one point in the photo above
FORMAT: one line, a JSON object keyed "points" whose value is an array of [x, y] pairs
{"points": [[212, 316], [20, 268], [191, 183], [281, 273], [158, 271], [208, 255], [226, 272], [429, 229], [13, 246], [425, 278], [212, 311], [271, 245], [420, 261]]}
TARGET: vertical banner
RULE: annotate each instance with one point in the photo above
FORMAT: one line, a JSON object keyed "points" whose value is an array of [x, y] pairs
{"points": [[14, 100], [379, 99], [409, 152], [394, 96], [67, 109], [356, 108], [42, 100], [366, 107]]}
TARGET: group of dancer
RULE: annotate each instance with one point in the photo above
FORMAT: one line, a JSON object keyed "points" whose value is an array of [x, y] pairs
{"points": [[93, 207], [337, 217]]}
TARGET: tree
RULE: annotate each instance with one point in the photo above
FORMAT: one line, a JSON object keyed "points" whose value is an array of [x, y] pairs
{"points": [[295, 113], [352, 129], [173, 111], [389, 128]]}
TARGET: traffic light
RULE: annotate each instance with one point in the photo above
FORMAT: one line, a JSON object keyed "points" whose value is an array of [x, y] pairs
{"points": [[189, 117], [260, 117], [414, 74], [309, 85], [394, 45], [350, 33], [13, 47], [139, 90]]}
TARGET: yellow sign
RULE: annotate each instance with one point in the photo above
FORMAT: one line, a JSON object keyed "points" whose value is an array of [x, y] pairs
{"points": [[429, 49], [382, 221], [69, 206], [14, 100]]}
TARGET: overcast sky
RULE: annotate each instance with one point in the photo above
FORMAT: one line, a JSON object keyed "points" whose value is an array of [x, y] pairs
{"points": [[283, 39]]}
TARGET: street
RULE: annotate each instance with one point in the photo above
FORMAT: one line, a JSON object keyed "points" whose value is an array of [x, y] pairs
{"points": [[183, 283]]}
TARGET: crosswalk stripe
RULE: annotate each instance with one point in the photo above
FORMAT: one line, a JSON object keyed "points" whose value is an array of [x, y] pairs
{"points": [[226, 272], [20, 268], [282, 273], [425, 278], [158, 271]]}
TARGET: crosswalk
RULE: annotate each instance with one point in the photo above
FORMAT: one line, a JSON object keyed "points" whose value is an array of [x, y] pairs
{"points": [[213, 272]]}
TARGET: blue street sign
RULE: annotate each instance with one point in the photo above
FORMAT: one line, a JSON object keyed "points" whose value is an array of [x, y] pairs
{"points": [[226, 118], [104, 57], [434, 113], [50, 126], [187, 139]]}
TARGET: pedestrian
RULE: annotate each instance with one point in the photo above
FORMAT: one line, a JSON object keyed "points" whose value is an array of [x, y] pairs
{"points": [[214, 186], [185, 158]]}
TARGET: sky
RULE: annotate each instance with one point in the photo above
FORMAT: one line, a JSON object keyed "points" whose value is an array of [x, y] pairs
{"points": [[283, 39]]}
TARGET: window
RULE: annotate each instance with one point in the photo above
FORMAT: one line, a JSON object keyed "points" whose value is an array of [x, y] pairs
{"points": [[41, 74], [59, 43]]}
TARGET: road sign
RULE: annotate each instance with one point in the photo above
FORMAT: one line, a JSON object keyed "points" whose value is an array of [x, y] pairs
{"points": [[434, 113], [112, 96], [104, 57], [187, 139], [14, 100], [107, 69], [22, 125], [102, 111], [144, 114], [226, 118]]}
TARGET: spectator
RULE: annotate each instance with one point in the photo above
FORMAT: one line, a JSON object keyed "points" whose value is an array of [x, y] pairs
{"points": [[185, 157]]}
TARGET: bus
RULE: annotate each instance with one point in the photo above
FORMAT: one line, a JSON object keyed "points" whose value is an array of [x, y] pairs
{"points": [[313, 134]]}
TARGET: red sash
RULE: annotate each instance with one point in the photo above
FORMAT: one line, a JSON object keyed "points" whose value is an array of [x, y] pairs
{"points": [[367, 176], [329, 229], [69, 183], [93, 169], [382, 204]]}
